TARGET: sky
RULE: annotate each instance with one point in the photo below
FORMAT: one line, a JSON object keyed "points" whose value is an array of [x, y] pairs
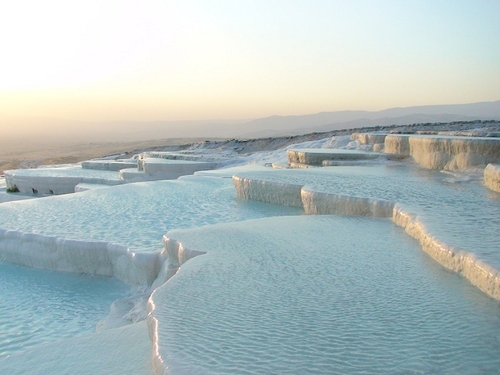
{"points": [[193, 60]]}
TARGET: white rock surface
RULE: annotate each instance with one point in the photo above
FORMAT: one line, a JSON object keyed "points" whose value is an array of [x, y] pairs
{"points": [[166, 169], [109, 165], [340, 190], [50, 181], [492, 177], [317, 156], [445, 152], [369, 138], [94, 236]]}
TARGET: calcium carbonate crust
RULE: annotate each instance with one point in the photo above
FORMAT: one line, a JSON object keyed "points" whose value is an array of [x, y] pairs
{"points": [[464, 262]]}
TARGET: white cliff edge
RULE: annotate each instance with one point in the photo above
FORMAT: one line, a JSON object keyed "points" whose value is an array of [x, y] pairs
{"points": [[492, 177], [445, 152], [88, 257], [173, 256], [464, 262]]}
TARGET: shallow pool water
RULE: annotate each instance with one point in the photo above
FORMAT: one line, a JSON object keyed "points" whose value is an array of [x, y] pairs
{"points": [[39, 306], [456, 208], [296, 294], [322, 295], [135, 215]]}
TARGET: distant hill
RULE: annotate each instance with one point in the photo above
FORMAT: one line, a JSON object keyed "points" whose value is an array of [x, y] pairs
{"points": [[325, 121], [49, 130]]}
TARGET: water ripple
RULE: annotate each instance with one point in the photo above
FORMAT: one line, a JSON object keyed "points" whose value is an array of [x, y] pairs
{"points": [[363, 299], [39, 306]]}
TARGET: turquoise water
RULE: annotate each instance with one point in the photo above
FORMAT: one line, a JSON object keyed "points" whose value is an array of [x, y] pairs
{"points": [[39, 306], [456, 208], [321, 295], [135, 215], [278, 295]]}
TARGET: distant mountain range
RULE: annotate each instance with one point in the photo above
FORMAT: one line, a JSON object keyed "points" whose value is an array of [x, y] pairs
{"points": [[124, 131], [325, 121]]}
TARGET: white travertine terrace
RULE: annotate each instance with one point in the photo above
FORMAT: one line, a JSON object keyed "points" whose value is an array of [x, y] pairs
{"points": [[167, 169], [369, 138], [368, 191], [57, 180], [343, 163], [87, 257], [268, 191], [156, 168], [109, 165], [173, 255], [445, 152], [299, 292], [116, 231], [324, 199], [133, 175], [313, 202], [375, 139], [492, 177], [318, 156], [102, 172], [188, 156], [397, 144], [479, 273], [322, 203]]}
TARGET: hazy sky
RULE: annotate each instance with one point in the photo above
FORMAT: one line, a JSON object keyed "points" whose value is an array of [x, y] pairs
{"points": [[187, 59]]}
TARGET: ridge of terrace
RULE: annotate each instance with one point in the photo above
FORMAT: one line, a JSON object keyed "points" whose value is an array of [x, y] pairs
{"points": [[414, 199]]}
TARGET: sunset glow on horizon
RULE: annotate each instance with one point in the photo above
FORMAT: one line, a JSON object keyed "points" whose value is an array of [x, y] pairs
{"points": [[193, 60]]}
